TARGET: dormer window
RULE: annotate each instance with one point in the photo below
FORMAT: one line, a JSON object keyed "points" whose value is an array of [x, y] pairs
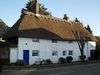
{"points": [[35, 40], [54, 41]]}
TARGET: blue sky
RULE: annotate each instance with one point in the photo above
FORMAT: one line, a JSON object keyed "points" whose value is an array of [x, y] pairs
{"points": [[88, 11]]}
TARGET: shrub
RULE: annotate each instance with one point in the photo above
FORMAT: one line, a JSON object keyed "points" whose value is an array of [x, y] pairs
{"points": [[62, 60], [47, 61], [19, 62], [0, 68], [82, 57], [69, 59], [43, 62], [4, 61]]}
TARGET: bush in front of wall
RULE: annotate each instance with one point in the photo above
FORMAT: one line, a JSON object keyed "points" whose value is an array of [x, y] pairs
{"points": [[42, 62], [19, 62], [0, 68], [62, 60], [47, 61], [4, 61], [69, 59], [82, 58]]}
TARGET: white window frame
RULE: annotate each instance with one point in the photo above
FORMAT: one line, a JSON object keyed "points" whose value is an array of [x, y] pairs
{"points": [[35, 52], [70, 52], [54, 53], [64, 53]]}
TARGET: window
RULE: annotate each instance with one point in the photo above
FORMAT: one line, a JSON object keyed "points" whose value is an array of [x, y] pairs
{"points": [[54, 41], [54, 53], [25, 43], [64, 53], [35, 40], [70, 53], [35, 53]]}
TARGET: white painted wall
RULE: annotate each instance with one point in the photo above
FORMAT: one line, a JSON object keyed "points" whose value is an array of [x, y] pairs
{"points": [[46, 47], [13, 55], [88, 47]]}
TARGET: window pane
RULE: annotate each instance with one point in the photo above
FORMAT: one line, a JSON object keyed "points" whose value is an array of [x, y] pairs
{"points": [[54, 53], [35, 53], [54, 41], [70, 53], [64, 53]]}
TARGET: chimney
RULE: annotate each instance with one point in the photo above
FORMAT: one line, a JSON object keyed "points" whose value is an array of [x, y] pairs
{"points": [[37, 6]]}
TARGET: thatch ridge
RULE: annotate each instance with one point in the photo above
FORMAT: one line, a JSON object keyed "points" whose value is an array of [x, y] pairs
{"points": [[57, 26]]}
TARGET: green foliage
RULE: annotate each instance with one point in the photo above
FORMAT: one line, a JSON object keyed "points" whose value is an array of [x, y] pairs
{"points": [[65, 17], [69, 59], [76, 20], [0, 68], [62, 60], [31, 7], [82, 57], [20, 62], [89, 29], [47, 61], [4, 61]]}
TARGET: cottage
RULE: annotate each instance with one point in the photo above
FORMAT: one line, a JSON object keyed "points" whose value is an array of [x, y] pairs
{"points": [[37, 37]]}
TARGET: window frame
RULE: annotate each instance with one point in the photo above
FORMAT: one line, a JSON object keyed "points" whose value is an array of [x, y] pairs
{"points": [[35, 52], [35, 40], [64, 53], [70, 52], [54, 41], [54, 53]]}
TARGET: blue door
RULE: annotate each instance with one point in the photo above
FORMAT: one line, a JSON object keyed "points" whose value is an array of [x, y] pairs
{"points": [[26, 56]]}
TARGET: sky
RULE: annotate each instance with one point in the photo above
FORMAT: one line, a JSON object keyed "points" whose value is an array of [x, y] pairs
{"points": [[87, 11]]}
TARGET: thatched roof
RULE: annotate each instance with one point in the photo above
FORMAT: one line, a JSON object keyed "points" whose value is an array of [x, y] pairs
{"points": [[98, 43], [98, 39], [47, 27], [3, 28]]}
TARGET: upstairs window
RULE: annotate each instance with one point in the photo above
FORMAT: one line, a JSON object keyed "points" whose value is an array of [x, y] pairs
{"points": [[35, 40], [54, 53], [35, 53], [54, 41], [70, 52]]}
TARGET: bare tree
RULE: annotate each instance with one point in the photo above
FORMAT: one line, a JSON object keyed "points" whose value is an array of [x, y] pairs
{"points": [[79, 38]]}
